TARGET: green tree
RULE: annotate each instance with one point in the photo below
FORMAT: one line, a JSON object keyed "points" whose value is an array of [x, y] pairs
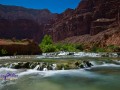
{"points": [[47, 44], [47, 40]]}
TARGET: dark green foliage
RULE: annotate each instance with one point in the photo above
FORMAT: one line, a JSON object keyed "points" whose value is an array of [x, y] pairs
{"points": [[3, 52], [97, 49], [66, 47], [110, 48], [47, 40], [47, 45], [113, 48], [48, 48], [79, 47]]}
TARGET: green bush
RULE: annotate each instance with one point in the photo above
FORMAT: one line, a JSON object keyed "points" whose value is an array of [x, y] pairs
{"points": [[100, 50], [47, 40], [112, 48], [97, 49], [3, 52], [79, 47], [47, 44], [65, 47], [49, 48]]}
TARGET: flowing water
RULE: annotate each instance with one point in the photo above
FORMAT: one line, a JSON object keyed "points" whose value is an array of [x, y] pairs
{"points": [[102, 76]]}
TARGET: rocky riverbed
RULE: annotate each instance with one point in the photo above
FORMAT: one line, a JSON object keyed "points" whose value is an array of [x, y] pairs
{"points": [[44, 66], [83, 54], [33, 73]]}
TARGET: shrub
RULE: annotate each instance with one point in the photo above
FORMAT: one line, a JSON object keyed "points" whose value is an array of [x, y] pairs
{"points": [[47, 44], [79, 47], [97, 49], [112, 48], [49, 48], [3, 52], [47, 40], [65, 47]]}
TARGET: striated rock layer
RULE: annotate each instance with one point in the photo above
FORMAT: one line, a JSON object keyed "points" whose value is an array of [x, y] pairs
{"points": [[93, 21], [25, 47], [21, 23]]}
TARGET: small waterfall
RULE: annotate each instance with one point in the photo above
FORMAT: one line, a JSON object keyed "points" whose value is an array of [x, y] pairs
{"points": [[63, 68], [36, 68], [54, 66], [45, 69], [10, 65]]}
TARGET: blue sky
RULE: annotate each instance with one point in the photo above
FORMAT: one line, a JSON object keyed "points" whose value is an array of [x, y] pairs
{"points": [[55, 6]]}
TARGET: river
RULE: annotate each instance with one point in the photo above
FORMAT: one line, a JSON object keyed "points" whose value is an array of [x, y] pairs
{"points": [[104, 75]]}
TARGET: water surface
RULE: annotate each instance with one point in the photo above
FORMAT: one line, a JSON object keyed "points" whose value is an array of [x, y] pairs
{"points": [[104, 75]]}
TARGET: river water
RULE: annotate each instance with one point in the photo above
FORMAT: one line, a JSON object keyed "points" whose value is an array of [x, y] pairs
{"points": [[102, 76]]}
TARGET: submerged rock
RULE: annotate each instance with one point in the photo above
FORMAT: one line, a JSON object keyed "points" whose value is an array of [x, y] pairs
{"points": [[87, 64], [43, 66]]}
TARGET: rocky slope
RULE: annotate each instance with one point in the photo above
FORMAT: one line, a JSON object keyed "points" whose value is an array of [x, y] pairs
{"points": [[15, 12], [24, 23], [93, 21]]}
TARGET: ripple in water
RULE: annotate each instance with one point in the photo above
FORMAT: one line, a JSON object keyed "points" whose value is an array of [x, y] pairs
{"points": [[102, 76]]}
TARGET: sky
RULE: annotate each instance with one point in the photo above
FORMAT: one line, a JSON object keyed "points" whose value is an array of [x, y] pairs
{"points": [[55, 6]]}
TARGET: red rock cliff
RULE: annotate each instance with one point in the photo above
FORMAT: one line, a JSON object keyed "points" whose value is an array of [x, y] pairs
{"points": [[90, 18]]}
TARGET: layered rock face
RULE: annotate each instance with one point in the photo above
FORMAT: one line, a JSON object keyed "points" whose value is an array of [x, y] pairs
{"points": [[20, 29], [92, 21], [21, 23], [15, 12], [26, 47]]}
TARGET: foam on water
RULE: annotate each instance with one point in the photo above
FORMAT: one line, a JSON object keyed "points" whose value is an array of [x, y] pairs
{"points": [[7, 69], [78, 73], [107, 65], [5, 57]]}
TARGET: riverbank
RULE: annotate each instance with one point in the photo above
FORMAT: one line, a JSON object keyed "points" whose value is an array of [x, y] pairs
{"points": [[18, 47]]}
